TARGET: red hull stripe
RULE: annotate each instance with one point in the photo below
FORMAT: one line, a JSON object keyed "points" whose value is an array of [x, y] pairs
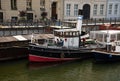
{"points": [[34, 58]]}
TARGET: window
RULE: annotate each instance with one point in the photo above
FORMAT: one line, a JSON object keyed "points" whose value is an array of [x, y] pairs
{"points": [[95, 9], [0, 4], [76, 10], [101, 9], [29, 4], [42, 2], [68, 9], [42, 5], [110, 9], [116, 9], [118, 36], [14, 4], [14, 19]]}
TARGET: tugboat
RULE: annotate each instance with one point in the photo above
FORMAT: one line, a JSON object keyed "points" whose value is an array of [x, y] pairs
{"points": [[65, 46]]}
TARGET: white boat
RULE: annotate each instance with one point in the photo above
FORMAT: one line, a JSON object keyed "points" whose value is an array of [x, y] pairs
{"points": [[111, 40]]}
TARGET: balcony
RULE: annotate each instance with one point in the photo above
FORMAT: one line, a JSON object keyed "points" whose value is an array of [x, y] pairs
{"points": [[29, 9]]}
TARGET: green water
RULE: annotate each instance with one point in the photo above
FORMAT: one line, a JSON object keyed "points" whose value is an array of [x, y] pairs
{"points": [[86, 70]]}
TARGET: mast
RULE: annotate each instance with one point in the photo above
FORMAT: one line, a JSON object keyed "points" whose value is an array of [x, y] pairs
{"points": [[108, 37], [79, 24]]}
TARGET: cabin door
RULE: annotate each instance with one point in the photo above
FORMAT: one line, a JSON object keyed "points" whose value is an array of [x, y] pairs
{"points": [[86, 11]]}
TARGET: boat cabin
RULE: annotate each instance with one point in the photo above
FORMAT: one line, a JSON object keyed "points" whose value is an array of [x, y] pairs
{"points": [[105, 36], [67, 37]]}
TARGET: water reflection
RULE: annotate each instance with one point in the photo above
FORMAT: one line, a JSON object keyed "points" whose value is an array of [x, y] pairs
{"points": [[106, 71], [85, 70], [37, 65]]}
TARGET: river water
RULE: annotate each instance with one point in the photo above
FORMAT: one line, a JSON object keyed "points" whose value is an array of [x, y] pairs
{"points": [[83, 70]]}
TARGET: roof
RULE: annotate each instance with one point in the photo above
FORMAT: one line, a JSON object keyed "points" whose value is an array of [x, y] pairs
{"points": [[107, 31], [25, 37], [7, 39], [20, 37], [67, 30], [59, 27]]}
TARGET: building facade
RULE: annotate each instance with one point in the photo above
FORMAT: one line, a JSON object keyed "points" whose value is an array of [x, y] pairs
{"points": [[113, 9], [58, 9], [54, 8], [10, 9], [91, 8]]}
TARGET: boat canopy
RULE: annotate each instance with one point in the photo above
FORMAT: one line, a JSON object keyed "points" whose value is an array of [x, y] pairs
{"points": [[101, 35]]}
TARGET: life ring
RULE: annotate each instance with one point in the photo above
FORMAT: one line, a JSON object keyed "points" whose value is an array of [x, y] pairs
{"points": [[65, 39]]}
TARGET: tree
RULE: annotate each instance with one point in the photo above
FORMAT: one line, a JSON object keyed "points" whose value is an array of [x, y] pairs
{"points": [[22, 15], [44, 14]]}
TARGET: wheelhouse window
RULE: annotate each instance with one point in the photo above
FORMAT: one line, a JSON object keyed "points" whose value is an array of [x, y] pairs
{"points": [[13, 4], [118, 36], [75, 9], [110, 9], [67, 34], [29, 4], [113, 37], [68, 7], [100, 37], [101, 9], [116, 9], [74, 34], [95, 9]]}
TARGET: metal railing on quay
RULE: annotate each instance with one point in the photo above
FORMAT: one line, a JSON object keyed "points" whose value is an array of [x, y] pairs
{"points": [[68, 23]]}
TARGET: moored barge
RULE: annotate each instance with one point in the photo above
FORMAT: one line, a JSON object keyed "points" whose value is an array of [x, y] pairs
{"points": [[12, 48]]}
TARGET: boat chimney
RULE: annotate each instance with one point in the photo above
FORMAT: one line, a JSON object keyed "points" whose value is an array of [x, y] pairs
{"points": [[79, 20]]}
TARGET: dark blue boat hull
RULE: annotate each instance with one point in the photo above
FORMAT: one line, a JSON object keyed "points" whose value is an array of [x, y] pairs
{"points": [[102, 56]]}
